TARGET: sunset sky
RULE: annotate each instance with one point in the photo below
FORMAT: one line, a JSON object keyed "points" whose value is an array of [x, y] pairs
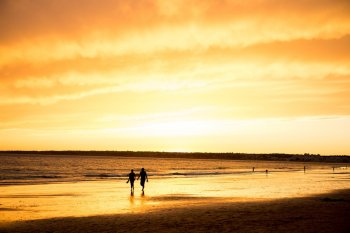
{"points": [[179, 75]]}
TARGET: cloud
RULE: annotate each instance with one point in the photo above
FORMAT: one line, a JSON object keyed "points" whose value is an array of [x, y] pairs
{"points": [[283, 73], [25, 18], [91, 60], [94, 28], [334, 51]]}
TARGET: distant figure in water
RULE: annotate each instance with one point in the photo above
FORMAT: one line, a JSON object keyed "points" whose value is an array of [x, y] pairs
{"points": [[144, 177], [131, 178]]}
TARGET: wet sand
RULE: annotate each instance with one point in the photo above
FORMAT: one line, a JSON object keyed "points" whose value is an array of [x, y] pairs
{"points": [[321, 213], [315, 201]]}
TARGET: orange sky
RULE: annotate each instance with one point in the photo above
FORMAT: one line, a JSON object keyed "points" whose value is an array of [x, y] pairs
{"points": [[240, 76]]}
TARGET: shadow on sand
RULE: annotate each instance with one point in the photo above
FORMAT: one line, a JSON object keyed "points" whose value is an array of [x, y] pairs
{"points": [[327, 213]]}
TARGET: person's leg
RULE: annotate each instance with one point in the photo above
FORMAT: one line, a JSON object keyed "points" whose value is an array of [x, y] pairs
{"points": [[143, 184], [132, 186]]}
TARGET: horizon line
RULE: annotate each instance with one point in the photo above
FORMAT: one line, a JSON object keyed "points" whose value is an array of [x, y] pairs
{"points": [[178, 152]]}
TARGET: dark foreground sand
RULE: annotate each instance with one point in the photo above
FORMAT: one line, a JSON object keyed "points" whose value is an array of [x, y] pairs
{"points": [[324, 213]]}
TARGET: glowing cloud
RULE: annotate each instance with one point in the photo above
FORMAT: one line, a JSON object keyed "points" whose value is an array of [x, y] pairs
{"points": [[185, 71]]}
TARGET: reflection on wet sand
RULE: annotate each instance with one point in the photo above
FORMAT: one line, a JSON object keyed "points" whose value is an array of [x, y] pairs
{"points": [[111, 197], [326, 213], [131, 199]]}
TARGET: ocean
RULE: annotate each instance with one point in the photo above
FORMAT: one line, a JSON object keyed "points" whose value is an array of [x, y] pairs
{"points": [[41, 169]]}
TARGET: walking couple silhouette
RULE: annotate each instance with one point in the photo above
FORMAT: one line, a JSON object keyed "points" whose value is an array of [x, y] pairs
{"points": [[142, 175]]}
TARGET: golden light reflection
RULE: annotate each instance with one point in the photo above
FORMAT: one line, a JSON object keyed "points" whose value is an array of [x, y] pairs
{"points": [[101, 198]]}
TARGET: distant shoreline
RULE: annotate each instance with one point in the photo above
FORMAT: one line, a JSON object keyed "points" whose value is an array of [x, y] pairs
{"points": [[195, 155]]}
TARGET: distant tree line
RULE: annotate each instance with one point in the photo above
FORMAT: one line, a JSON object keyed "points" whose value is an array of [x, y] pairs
{"points": [[193, 155]]}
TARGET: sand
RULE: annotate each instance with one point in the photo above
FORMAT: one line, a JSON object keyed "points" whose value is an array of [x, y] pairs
{"points": [[321, 213], [315, 201]]}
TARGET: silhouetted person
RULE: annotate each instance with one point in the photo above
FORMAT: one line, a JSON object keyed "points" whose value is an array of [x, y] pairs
{"points": [[144, 177], [131, 178]]}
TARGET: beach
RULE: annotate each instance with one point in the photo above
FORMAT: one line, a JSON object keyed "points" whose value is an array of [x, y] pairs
{"points": [[229, 116], [91, 195], [322, 213]]}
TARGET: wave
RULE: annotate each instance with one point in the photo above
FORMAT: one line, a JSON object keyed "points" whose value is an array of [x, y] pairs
{"points": [[50, 177], [112, 175], [31, 177], [10, 179], [199, 169], [198, 173], [104, 175]]}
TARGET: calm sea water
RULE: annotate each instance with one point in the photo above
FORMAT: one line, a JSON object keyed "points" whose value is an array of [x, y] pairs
{"points": [[34, 169], [37, 187]]}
